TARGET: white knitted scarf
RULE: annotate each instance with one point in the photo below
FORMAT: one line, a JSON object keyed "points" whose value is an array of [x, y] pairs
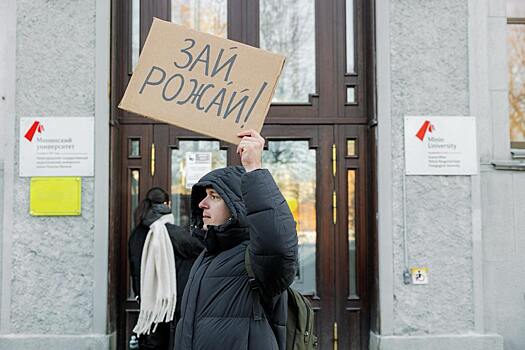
{"points": [[158, 278]]}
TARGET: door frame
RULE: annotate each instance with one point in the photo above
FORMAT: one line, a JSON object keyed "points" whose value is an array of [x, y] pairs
{"points": [[368, 119]]}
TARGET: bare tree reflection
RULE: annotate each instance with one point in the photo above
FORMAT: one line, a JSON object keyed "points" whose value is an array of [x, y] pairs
{"points": [[288, 27]]}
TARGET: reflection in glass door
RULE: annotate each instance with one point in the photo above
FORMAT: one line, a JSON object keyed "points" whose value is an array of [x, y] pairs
{"points": [[352, 254], [184, 174], [207, 16], [288, 27], [293, 166], [299, 159]]}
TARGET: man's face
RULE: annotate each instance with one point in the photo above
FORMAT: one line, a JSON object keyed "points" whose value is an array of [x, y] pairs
{"points": [[214, 210]]}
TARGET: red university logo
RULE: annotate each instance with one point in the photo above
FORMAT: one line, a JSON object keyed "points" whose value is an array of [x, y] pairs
{"points": [[36, 127], [423, 130]]}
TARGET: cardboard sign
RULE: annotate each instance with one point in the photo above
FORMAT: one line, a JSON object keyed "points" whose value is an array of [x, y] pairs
{"points": [[202, 82]]}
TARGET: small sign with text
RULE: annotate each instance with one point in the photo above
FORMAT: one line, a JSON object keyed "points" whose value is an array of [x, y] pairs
{"points": [[440, 146]]}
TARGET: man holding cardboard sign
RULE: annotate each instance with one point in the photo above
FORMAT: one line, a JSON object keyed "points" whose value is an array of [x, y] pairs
{"points": [[202, 82], [238, 211]]}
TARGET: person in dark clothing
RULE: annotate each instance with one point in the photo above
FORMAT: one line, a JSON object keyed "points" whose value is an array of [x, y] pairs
{"points": [[234, 209], [185, 249]]}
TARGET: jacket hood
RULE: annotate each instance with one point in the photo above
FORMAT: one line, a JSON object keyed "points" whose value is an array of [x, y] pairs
{"points": [[156, 211], [227, 183]]}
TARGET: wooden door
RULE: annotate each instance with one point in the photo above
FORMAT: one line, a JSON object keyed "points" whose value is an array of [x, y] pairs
{"points": [[327, 198], [317, 133]]}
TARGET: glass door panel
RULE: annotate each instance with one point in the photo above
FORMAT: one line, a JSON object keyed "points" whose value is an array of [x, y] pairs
{"points": [[134, 182], [134, 192], [208, 16], [204, 156], [288, 27], [135, 33], [352, 254], [350, 54], [293, 166]]}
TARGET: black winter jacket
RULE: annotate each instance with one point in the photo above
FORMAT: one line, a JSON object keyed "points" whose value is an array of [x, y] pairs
{"points": [[218, 302], [185, 248]]}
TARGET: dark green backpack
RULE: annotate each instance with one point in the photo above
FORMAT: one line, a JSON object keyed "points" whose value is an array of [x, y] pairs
{"points": [[300, 324]]}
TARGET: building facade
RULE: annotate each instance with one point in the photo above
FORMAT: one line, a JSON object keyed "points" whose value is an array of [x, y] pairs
{"points": [[355, 69]]}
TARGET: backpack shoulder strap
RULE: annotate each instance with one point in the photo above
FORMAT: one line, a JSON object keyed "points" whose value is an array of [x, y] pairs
{"points": [[248, 263], [257, 307]]}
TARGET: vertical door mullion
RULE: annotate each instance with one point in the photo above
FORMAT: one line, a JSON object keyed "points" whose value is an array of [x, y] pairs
{"points": [[341, 249], [148, 10], [325, 60], [326, 232], [235, 19], [162, 156], [251, 23]]}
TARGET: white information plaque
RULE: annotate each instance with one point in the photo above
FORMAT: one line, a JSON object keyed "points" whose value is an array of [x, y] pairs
{"points": [[56, 146], [440, 145], [198, 164]]}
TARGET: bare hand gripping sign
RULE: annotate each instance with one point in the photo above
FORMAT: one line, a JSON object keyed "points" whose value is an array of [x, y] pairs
{"points": [[202, 82]]}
